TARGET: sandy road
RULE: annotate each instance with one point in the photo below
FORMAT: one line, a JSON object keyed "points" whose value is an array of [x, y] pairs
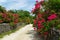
{"points": [[22, 34]]}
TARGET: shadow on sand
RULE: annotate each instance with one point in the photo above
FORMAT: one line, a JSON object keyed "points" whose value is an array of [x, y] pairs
{"points": [[34, 35]]}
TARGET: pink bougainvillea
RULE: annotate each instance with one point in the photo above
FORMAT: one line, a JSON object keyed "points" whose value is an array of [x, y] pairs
{"points": [[1, 21], [35, 28], [39, 15], [37, 5], [4, 15], [45, 33], [53, 16], [35, 21]]}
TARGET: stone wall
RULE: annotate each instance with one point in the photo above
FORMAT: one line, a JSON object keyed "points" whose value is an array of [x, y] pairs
{"points": [[4, 27]]}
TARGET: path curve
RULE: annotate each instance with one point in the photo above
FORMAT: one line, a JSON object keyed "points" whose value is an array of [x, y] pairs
{"points": [[21, 34]]}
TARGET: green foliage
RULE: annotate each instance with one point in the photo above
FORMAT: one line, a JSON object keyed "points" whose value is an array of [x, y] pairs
{"points": [[58, 26], [53, 5], [12, 24], [2, 9], [24, 16]]}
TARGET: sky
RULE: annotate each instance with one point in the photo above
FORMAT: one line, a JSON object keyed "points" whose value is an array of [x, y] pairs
{"points": [[18, 4]]}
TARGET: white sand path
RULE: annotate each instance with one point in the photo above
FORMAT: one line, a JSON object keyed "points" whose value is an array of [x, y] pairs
{"points": [[21, 34]]}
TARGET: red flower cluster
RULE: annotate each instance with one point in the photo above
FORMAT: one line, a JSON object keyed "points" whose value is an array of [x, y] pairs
{"points": [[40, 25], [39, 21], [15, 15], [45, 33], [35, 28], [42, 21], [8, 19], [1, 21], [16, 20], [53, 16], [37, 5], [35, 22], [39, 15], [4, 15]]}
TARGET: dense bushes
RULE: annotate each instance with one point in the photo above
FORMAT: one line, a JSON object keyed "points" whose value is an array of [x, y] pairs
{"points": [[46, 16], [14, 16], [9, 18]]}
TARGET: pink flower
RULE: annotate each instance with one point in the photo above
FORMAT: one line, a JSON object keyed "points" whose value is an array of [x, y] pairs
{"points": [[4, 15], [16, 20], [45, 33], [39, 22], [37, 5], [53, 16], [40, 26], [1, 21], [35, 22], [35, 28], [15, 15], [39, 15], [43, 20], [8, 19], [15, 23]]}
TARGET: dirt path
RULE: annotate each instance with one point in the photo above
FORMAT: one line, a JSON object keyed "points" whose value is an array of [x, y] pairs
{"points": [[25, 33]]}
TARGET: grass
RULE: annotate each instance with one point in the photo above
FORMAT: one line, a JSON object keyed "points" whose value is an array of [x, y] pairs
{"points": [[12, 31], [7, 33]]}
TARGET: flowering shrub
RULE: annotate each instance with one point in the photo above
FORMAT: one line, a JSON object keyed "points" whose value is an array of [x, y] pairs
{"points": [[51, 17], [46, 19], [9, 18]]}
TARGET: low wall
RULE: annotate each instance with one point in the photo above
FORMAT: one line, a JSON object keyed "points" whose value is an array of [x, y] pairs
{"points": [[4, 27]]}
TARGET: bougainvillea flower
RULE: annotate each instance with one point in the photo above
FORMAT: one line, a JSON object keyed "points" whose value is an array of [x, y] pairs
{"points": [[42, 20], [40, 26], [45, 33], [8, 19], [37, 5], [53, 16], [35, 22], [4, 15], [16, 15], [39, 22], [1, 21], [39, 15], [16, 20], [35, 28]]}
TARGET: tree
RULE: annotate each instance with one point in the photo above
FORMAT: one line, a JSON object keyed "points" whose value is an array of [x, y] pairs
{"points": [[2, 9], [53, 5]]}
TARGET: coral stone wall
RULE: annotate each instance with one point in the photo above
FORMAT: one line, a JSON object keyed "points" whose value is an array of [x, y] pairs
{"points": [[4, 28]]}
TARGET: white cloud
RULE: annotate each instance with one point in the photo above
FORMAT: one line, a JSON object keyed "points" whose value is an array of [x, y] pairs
{"points": [[30, 7], [19, 4], [2, 1]]}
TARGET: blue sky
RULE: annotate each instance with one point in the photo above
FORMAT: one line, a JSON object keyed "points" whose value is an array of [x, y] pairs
{"points": [[18, 4]]}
